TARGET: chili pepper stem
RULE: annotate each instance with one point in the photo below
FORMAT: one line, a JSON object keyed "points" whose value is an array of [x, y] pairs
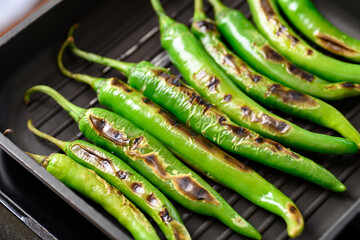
{"points": [[199, 10], [93, 82], [122, 67], [57, 142], [74, 111], [36, 157], [218, 6], [164, 20]]}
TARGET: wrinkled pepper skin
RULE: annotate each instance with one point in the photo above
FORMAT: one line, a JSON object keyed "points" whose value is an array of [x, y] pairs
{"points": [[163, 88], [309, 21], [92, 186], [264, 90], [133, 185], [252, 47], [277, 31], [195, 150], [150, 158], [206, 77]]}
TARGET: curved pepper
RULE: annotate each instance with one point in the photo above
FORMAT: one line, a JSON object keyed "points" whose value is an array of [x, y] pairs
{"points": [[309, 21], [116, 134], [196, 151], [251, 46], [266, 16], [204, 75], [264, 90], [113, 169], [187, 105], [157, 164], [89, 184]]}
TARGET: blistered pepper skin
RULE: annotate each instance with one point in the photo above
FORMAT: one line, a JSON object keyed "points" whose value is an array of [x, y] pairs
{"points": [[309, 21], [263, 89], [195, 150], [188, 106], [277, 31], [113, 169], [207, 78], [252, 47], [89, 184]]}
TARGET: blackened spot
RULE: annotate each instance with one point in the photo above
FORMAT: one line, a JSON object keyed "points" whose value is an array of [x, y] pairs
{"points": [[280, 30], [169, 119], [291, 96], [265, 5], [334, 45], [272, 55], [213, 83], [299, 72], [152, 200], [192, 189], [137, 188], [164, 214], [221, 120], [153, 162], [259, 140], [205, 26], [118, 83], [255, 78], [348, 85], [105, 129], [294, 40], [122, 175], [309, 52], [145, 100], [293, 209], [246, 110], [239, 131], [227, 98], [136, 142]]}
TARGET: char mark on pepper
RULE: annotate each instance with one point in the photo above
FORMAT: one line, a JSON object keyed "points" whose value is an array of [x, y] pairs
{"points": [[213, 83], [235, 163], [153, 162], [205, 26], [269, 12], [278, 126], [152, 200], [334, 45], [117, 83], [227, 98], [105, 129], [236, 130], [348, 85], [191, 189], [291, 96], [164, 214]]}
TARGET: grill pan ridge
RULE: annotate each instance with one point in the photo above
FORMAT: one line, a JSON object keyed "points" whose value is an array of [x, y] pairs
{"points": [[128, 31]]}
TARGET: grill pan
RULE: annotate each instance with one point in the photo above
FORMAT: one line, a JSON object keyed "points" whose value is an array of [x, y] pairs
{"points": [[128, 30]]}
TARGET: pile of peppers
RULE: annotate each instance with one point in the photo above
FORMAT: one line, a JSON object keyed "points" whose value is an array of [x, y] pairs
{"points": [[156, 122]]}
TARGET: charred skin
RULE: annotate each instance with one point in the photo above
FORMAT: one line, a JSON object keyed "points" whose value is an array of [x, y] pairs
{"points": [[261, 88], [190, 108], [269, 21], [252, 47], [320, 31], [129, 182], [89, 184], [140, 110]]}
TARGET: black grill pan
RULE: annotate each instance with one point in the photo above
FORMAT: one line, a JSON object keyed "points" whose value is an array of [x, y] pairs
{"points": [[128, 30]]}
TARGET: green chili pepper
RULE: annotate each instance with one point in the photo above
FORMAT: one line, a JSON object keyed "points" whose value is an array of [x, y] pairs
{"points": [[203, 74], [306, 18], [264, 90], [157, 164], [266, 16], [97, 126], [188, 106], [193, 148], [89, 184], [251, 46]]}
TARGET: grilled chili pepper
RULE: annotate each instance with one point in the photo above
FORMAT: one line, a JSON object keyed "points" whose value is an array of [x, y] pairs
{"points": [[204, 75], [92, 186], [264, 90], [309, 21], [96, 124], [195, 150], [116, 134], [170, 175], [251, 46], [187, 105], [266, 16]]}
